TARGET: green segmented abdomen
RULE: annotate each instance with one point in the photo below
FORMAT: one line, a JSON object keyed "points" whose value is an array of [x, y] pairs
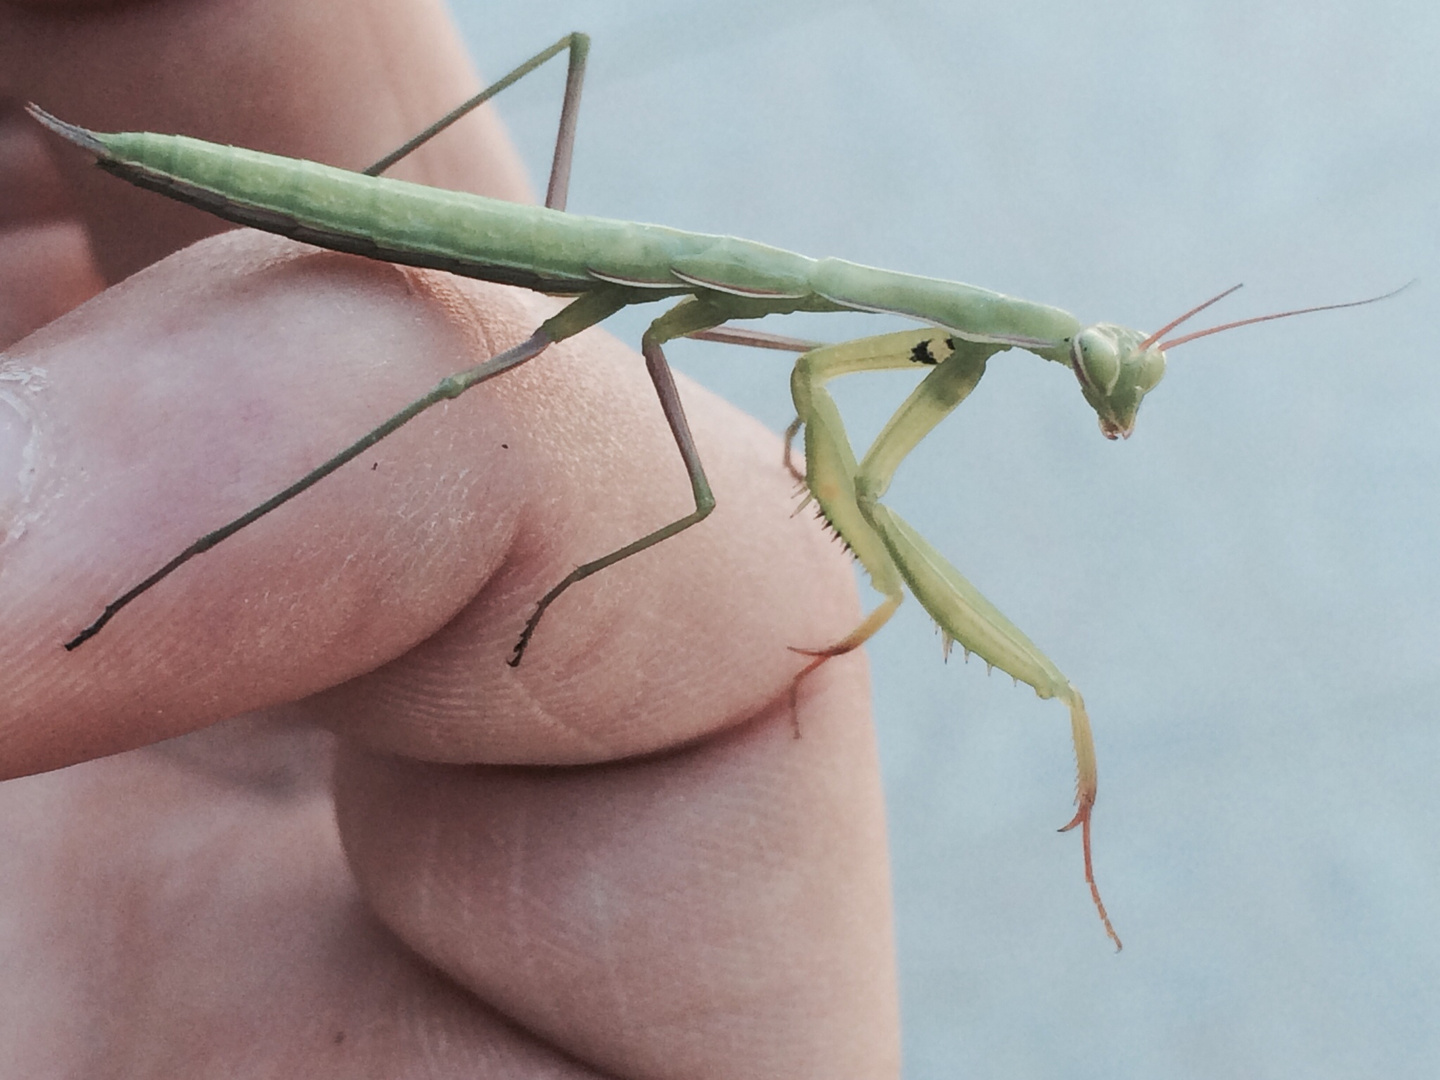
{"points": [[546, 250], [468, 234]]}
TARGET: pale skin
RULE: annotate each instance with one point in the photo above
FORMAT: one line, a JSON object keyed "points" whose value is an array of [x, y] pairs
{"points": [[718, 910]]}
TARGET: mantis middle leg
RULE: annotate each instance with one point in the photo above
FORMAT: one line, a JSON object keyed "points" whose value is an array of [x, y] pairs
{"points": [[690, 317]]}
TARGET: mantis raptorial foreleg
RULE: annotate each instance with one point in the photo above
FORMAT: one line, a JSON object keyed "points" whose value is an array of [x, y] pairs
{"points": [[845, 490], [848, 494]]}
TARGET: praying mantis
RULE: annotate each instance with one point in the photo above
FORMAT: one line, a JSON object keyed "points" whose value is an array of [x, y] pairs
{"points": [[609, 265]]}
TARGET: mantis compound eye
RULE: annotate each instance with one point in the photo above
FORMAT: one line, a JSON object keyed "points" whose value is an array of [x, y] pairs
{"points": [[1115, 372]]}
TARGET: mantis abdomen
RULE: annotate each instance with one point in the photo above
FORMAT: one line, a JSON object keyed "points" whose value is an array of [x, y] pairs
{"points": [[546, 250]]}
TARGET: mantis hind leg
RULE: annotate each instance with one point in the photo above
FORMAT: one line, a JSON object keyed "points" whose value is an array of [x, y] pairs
{"points": [[586, 311], [450, 387], [578, 46]]}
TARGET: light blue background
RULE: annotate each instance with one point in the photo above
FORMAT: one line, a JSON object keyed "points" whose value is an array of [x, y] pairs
{"points": [[1247, 592]]}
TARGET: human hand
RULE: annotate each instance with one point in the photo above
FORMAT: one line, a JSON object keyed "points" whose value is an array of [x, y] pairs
{"points": [[615, 858]]}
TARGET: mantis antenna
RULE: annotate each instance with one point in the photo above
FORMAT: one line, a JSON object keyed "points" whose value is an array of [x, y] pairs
{"points": [[1198, 334]]}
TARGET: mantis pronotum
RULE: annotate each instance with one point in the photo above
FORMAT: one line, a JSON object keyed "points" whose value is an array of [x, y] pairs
{"points": [[607, 265]]}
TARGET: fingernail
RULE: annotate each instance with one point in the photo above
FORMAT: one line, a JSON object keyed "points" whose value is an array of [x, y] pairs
{"points": [[17, 464]]}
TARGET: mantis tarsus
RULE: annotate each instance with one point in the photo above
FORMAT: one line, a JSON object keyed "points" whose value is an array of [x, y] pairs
{"points": [[607, 265]]}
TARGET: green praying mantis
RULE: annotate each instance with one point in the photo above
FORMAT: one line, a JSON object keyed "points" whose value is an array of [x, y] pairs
{"points": [[608, 265]]}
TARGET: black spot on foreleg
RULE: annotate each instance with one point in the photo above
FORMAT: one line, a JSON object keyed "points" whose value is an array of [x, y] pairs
{"points": [[923, 354]]}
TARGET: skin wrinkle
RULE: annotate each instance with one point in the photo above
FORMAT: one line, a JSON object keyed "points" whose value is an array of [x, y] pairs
{"points": [[612, 964], [600, 748], [430, 889], [517, 926], [452, 710]]}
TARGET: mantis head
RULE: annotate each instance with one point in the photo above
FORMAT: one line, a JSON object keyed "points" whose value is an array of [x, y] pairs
{"points": [[1116, 370], [1117, 366]]}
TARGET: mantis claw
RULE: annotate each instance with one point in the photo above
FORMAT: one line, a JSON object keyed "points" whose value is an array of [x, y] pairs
{"points": [[1082, 819]]}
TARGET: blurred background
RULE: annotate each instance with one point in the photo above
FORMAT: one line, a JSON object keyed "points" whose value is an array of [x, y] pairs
{"points": [[1247, 592]]}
